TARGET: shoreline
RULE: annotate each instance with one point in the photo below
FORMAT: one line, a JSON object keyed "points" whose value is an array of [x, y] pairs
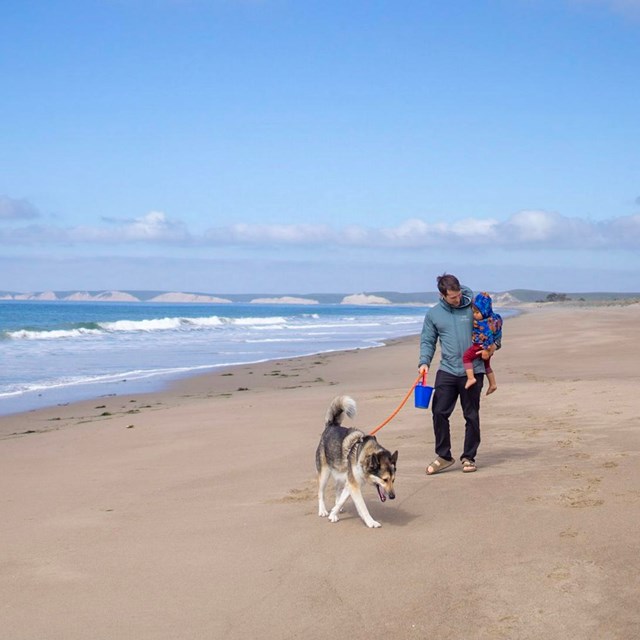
{"points": [[267, 375], [96, 355], [201, 381], [192, 513]]}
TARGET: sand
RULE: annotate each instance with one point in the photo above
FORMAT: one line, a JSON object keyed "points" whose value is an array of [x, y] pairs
{"points": [[192, 513]]}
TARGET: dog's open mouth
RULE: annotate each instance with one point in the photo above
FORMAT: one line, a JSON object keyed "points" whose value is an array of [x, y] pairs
{"points": [[381, 493]]}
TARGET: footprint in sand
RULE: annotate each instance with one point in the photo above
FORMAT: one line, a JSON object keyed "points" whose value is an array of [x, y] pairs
{"points": [[505, 627], [574, 576], [559, 573], [582, 456], [580, 498], [304, 494], [628, 497], [575, 497]]}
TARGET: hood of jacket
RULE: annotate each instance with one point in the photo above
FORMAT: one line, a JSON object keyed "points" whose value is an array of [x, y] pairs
{"points": [[482, 302]]}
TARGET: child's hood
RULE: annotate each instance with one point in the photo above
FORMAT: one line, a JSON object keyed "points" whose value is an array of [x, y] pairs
{"points": [[482, 302]]}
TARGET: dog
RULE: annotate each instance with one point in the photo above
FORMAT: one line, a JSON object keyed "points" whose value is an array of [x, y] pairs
{"points": [[353, 459]]}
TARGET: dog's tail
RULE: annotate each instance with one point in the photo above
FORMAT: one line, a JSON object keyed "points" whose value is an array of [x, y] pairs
{"points": [[340, 406]]}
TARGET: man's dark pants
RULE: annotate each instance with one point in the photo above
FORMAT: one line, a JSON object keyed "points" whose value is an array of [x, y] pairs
{"points": [[448, 388]]}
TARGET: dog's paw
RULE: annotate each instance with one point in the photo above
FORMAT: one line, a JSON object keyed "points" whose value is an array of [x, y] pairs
{"points": [[373, 524], [333, 517], [323, 513]]}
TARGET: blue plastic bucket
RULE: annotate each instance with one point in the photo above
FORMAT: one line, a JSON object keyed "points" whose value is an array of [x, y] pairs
{"points": [[422, 396]]}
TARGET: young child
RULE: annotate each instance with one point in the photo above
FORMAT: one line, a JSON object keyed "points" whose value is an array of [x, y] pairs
{"points": [[487, 330]]}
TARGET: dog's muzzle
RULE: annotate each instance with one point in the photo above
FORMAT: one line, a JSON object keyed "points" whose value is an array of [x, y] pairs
{"points": [[383, 495]]}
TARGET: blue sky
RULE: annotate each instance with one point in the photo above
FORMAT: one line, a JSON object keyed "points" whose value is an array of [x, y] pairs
{"points": [[319, 145]]}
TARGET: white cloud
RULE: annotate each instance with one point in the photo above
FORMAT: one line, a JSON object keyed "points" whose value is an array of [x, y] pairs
{"points": [[532, 226], [523, 230], [410, 229], [543, 228], [475, 229], [154, 228], [12, 209]]}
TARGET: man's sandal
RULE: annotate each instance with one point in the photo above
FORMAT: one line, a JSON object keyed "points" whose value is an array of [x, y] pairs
{"points": [[468, 466], [438, 465]]}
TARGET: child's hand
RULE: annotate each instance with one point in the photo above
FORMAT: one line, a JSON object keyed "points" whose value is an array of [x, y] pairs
{"points": [[488, 352]]}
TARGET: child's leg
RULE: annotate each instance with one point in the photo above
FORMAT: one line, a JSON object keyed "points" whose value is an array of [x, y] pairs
{"points": [[491, 377], [467, 358], [471, 378]]}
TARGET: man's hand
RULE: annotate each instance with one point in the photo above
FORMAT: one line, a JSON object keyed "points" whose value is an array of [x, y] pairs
{"points": [[423, 369]]}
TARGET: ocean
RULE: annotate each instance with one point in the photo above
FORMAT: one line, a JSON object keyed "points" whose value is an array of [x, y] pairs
{"points": [[59, 352]]}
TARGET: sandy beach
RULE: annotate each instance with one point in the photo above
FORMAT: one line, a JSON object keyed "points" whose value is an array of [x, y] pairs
{"points": [[192, 513]]}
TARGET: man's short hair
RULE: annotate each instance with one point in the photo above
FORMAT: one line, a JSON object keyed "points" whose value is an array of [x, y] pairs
{"points": [[447, 282]]}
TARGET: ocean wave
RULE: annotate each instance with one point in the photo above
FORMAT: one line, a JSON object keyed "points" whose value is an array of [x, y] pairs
{"points": [[52, 334], [147, 326], [243, 322]]}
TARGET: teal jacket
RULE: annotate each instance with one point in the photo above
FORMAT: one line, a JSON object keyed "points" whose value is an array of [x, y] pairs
{"points": [[453, 326]]}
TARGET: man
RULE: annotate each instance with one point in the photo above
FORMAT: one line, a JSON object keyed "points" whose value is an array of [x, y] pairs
{"points": [[451, 322]]}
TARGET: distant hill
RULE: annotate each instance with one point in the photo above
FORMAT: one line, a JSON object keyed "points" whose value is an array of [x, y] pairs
{"points": [[503, 298], [532, 295], [129, 295]]}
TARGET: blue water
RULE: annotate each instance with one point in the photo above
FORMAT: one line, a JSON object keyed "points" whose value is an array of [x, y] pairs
{"points": [[59, 352]]}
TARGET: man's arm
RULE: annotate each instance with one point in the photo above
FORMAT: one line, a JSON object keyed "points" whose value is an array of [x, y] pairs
{"points": [[428, 340]]}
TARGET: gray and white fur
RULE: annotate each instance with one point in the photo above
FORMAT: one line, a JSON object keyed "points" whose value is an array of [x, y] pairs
{"points": [[353, 459]]}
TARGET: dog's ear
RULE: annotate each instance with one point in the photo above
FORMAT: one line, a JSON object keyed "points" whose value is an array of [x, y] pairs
{"points": [[374, 462], [394, 457]]}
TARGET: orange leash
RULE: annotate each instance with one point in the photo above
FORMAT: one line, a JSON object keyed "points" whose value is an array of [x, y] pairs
{"points": [[395, 413]]}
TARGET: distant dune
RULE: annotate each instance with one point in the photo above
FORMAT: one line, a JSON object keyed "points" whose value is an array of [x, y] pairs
{"points": [[504, 300], [363, 298], [188, 297], [104, 296], [284, 300], [44, 295]]}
